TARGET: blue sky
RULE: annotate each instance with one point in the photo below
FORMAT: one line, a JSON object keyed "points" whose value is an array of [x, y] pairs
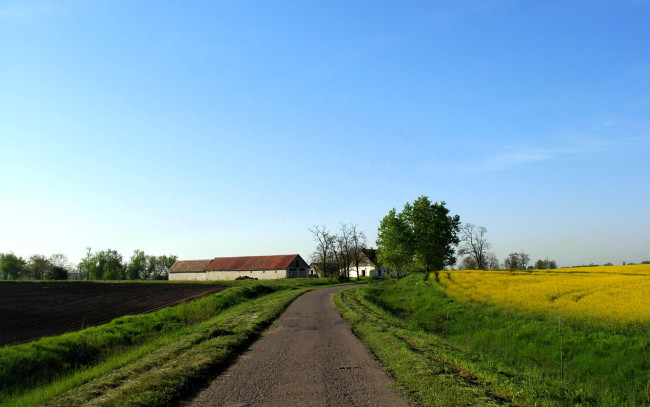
{"points": [[208, 129]]}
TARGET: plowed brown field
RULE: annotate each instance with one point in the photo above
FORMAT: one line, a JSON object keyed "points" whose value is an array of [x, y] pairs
{"points": [[29, 310]]}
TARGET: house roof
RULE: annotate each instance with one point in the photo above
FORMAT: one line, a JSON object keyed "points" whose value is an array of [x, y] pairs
{"points": [[189, 266], [371, 254], [251, 263]]}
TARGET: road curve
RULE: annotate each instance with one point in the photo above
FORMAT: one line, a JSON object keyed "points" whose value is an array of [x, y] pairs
{"points": [[309, 358]]}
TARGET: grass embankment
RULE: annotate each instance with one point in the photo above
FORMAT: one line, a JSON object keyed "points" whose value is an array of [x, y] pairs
{"points": [[447, 352], [146, 360]]}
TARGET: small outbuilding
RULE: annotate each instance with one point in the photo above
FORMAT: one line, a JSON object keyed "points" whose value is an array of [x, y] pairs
{"points": [[231, 268]]}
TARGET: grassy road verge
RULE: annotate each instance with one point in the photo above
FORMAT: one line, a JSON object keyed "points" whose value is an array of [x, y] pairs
{"points": [[156, 359], [447, 352], [419, 362]]}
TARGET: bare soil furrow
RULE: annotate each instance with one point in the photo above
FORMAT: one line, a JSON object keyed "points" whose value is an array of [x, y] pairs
{"points": [[32, 310]]}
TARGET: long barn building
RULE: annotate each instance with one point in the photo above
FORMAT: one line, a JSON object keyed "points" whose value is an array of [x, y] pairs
{"points": [[230, 268]]}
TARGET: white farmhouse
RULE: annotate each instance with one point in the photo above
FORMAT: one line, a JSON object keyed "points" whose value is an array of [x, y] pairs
{"points": [[367, 265], [231, 268]]}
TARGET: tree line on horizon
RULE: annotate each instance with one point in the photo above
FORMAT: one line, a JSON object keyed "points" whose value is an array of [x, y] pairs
{"points": [[423, 236], [98, 265]]}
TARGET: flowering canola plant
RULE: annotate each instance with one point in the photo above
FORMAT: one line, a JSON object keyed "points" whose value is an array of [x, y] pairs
{"points": [[615, 293]]}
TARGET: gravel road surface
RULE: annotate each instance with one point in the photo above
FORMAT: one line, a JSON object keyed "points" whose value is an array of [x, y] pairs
{"points": [[309, 358]]}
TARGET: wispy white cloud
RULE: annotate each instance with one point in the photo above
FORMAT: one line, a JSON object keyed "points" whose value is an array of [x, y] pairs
{"points": [[636, 138], [511, 156], [28, 10]]}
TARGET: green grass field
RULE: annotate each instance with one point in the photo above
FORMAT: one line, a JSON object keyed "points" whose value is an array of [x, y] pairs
{"points": [[446, 352]]}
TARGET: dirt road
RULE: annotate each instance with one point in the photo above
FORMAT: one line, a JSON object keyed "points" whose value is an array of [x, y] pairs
{"points": [[310, 358]]}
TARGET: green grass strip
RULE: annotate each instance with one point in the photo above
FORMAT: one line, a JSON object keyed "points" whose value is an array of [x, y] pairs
{"points": [[36, 363], [168, 368], [434, 372]]}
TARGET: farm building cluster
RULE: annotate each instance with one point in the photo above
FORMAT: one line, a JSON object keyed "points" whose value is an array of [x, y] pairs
{"points": [[262, 268], [231, 268]]}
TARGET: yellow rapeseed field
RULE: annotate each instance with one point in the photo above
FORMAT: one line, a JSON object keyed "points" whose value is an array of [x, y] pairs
{"points": [[614, 293]]}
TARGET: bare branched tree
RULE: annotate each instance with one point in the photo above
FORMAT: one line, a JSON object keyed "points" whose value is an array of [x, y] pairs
{"points": [[337, 253], [474, 244], [357, 245], [524, 259], [492, 261], [516, 261], [325, 254], [344, 249]]}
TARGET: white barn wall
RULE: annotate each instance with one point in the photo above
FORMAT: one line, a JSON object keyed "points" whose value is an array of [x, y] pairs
{"points": [[183, 276], [369, 271], [231, 275], [258, 274]]}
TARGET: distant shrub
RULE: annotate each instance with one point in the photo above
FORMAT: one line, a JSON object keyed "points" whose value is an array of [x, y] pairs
{"points": [[56, 273]]}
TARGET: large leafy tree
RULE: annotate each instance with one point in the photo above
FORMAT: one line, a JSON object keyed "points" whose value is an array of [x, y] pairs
{"points": [[105, 264], [150, 268], [87, 264], [12, 266], [137, 266], [112, 265], [395, 242], [163, 264], [38, 266], [423, 234], [435, 234]]}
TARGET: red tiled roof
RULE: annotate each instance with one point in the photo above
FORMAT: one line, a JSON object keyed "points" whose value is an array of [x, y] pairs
{"points": [[251, 263], [189, 266]]}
